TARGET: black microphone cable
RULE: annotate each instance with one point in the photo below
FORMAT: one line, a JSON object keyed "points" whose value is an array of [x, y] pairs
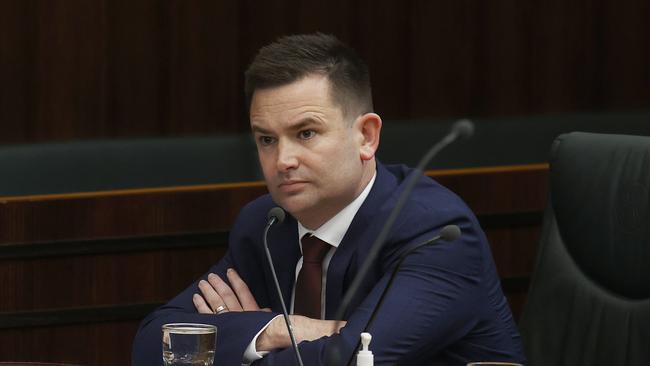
{"points": [[447, 234], [276, 214], [460, 129]]}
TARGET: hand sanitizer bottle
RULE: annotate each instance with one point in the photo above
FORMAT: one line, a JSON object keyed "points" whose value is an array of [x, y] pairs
{"points": [[365, 357]]}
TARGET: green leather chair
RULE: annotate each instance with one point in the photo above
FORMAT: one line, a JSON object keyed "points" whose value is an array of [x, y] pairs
{"points": [[589, 300], [84, 166]]}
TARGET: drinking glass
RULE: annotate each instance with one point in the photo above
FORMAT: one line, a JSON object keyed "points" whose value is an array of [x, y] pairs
{"points": [[188, 344]]}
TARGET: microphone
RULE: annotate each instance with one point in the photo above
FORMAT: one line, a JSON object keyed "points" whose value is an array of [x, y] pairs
{"points": [[277, 215], [461, 129], [464, 128], [447, 234]]}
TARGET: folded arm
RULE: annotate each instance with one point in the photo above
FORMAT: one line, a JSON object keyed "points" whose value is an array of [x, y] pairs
{"points": [[235, 330], [429, 306], [237, 297]]}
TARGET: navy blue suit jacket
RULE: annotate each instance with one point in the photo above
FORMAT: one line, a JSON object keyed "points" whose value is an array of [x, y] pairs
{"points": [[445, 307]]}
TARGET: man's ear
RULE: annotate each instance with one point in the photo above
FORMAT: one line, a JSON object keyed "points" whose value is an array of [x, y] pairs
{"points": [[369, 125]]}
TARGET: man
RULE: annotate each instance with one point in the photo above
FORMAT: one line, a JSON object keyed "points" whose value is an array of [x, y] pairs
{"points": [[312, 118]]}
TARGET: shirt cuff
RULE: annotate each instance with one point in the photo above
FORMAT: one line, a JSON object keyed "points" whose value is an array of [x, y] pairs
{"points": [[251, 354]]}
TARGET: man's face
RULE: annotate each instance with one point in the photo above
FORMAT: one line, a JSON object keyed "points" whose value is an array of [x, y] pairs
{"points": [[309, 153]]}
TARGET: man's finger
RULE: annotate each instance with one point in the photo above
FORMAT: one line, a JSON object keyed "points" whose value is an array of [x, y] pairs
{"points": [[200, 304], [225, 292], [246, 298], [210, 295]]}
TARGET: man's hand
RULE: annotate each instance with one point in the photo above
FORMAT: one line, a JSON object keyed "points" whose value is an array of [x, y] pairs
{"points": [[218, 297], [276, 336]]}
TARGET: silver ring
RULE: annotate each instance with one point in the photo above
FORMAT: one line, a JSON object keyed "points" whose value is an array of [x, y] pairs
{"points": [[220, 309]]}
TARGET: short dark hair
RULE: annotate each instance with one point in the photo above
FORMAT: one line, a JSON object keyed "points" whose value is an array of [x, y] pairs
{"points": [[291, 58]]}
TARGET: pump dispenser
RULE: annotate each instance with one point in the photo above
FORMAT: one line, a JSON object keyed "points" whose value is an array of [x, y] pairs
{"points": [[365, 357]]}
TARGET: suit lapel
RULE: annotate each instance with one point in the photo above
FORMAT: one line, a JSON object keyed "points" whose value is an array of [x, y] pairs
{"points": [[362, 232]]}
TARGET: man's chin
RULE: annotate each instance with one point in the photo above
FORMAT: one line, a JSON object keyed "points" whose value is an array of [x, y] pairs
{"points": [[294, 210], [297, 208]]}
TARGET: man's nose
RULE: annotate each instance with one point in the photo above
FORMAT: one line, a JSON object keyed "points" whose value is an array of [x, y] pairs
{"points": [[287, 156]]}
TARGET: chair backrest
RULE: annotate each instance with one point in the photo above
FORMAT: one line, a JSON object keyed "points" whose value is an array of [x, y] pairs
{"points": [[83, 166], [589, 299]]}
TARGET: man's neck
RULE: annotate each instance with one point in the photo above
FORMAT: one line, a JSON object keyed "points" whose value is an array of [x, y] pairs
{"points": [[333, 230], [313, 223]]}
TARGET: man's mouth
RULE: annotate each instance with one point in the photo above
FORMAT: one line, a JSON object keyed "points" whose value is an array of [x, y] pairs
{"points": [[291, 185], [291, 182]]}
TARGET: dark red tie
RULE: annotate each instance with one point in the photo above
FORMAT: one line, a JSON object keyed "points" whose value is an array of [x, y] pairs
{"points": [[309, 285]]}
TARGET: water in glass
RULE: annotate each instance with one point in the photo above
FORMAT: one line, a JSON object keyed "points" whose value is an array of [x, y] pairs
{"points": [[187, 344]]}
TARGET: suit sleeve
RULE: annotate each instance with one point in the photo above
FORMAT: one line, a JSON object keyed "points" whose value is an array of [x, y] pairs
{"points": [[235, 330], [430, 305]]}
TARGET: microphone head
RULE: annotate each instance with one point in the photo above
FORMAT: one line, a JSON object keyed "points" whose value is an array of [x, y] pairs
{"points": [[276, 212], [450, 233], [463, 128]]}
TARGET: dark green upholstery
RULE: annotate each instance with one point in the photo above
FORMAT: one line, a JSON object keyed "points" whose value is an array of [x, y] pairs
{"points": [[589, 300], [499, 141], [84, 166]]}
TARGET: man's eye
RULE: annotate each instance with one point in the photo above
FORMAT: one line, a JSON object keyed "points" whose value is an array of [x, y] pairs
{"points": [[307, 134], [266, 140]]}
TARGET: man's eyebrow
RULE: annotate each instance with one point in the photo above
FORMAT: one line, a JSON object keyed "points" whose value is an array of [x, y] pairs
{"points": [[305, 122], [298, 125], [257, 128]]}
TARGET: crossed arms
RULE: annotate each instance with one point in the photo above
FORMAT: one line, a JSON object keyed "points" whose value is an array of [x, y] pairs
{"points": [[426, 310], [237, 297]]}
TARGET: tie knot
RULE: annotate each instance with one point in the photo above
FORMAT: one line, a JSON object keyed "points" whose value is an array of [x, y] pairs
{"points": [[313, 249]]}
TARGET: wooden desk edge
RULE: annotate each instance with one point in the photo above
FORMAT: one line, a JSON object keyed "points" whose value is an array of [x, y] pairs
{"points": [[256, 184]]}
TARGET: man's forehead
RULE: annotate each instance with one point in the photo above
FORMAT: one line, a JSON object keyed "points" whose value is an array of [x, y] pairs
{"points": [[314, 85], [292, 103]]}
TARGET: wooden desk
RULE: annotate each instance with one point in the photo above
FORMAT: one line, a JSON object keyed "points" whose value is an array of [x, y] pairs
{"points": [[78, 271]]}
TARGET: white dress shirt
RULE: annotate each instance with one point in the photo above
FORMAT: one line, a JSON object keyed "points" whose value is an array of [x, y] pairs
{"points": [[331, 232]]}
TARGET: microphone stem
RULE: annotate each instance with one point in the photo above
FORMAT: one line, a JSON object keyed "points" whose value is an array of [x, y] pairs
{"points": [[379, 242], [285, 313], [411, 180], [392, 277], [388, 286]]}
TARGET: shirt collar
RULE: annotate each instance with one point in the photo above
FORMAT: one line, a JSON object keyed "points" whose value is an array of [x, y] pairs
{"points": [[333, 231]]}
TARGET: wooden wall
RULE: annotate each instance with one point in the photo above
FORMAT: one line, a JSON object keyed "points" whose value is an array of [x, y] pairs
{"points": [[78, 69], [79, 271]]}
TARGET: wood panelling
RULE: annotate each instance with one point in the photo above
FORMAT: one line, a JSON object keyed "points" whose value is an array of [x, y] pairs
{"points": [[113, 214], [87, 345], [72, 292], [97, 280], [75, 69]]}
